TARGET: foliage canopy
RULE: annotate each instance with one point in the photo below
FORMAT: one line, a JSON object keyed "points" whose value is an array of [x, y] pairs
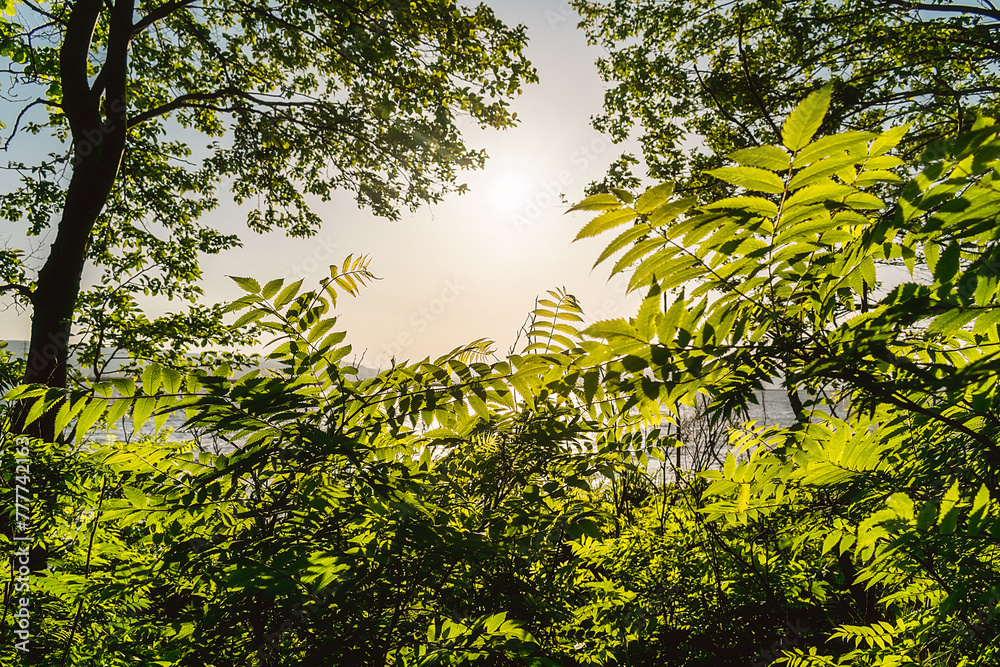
{"points": [[726, 72], [293, 101]]}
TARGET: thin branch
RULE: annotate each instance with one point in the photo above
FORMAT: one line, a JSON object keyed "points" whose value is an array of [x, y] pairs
{"points": [[722, 109], [750, 84], [20, 116]]}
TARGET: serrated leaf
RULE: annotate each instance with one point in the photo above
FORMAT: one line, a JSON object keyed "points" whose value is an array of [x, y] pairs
{"points": [[888, 140], [272, 287], [653, 197], [625, 196], [751, 178], [125, 386], [606, 221], [822, 192], [141, 411], [320, 329], [37, 409], [947, 266], [67, 411], [854, 143], [773, 158], [951, 498], [150, 379], [247, 284], [249, 317], [982, 498], [599, 202], [611, 329], [804, 121], [172, 380], [88, 417], [750, 204], [287, 294]]}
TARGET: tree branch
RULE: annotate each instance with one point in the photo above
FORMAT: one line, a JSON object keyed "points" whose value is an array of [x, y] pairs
{"points": [[23, 290], [73, 60], [952, 9], [180, 103], [159, 14], [722, 109]]}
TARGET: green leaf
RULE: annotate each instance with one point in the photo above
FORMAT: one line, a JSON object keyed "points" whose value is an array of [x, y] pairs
{"points": [[610, 329], [89, 417], [68, 411], [287, 294], [947, 266], [125, 386], [624, 239], [172, 380], [143, 408], [948, 503], [854, 143], [150, 379], [247, 284], [599, 202], [38, 408], [888, 140], [822, 192], [625, 196], [804, 121], [773, 158], [750, 178], [750, 204], [271, 288], [982, 498], [664, 214], [606, 221], [653, 197]]}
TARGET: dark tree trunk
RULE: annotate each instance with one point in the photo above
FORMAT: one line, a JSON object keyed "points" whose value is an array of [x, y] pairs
{"points": [[97, 114]]}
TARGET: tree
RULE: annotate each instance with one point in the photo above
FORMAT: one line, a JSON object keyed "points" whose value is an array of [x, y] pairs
{"points": [[724, 72], [295, 100]]}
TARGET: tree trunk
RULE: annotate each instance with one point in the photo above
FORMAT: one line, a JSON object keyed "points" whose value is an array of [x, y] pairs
{"points": [[97, 115]]}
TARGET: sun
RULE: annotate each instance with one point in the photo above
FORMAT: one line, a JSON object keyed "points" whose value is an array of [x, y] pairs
{"points": [[509, 191]]}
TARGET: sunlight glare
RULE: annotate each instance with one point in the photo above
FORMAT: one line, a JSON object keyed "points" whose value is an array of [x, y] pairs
{"points": [[509, 191]]}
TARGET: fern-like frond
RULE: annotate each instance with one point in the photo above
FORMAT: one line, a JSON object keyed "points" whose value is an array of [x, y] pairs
{"points": [[553, 323], [353, 274]]}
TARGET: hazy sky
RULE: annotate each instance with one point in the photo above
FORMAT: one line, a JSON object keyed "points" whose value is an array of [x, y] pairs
{"points": [[471, 266]]}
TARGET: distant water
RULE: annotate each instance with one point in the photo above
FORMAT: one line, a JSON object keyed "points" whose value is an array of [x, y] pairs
{"points": [[773, 409]]}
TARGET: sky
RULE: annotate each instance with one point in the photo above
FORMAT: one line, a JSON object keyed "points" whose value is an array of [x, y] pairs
{"points": [[471, 266]]}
